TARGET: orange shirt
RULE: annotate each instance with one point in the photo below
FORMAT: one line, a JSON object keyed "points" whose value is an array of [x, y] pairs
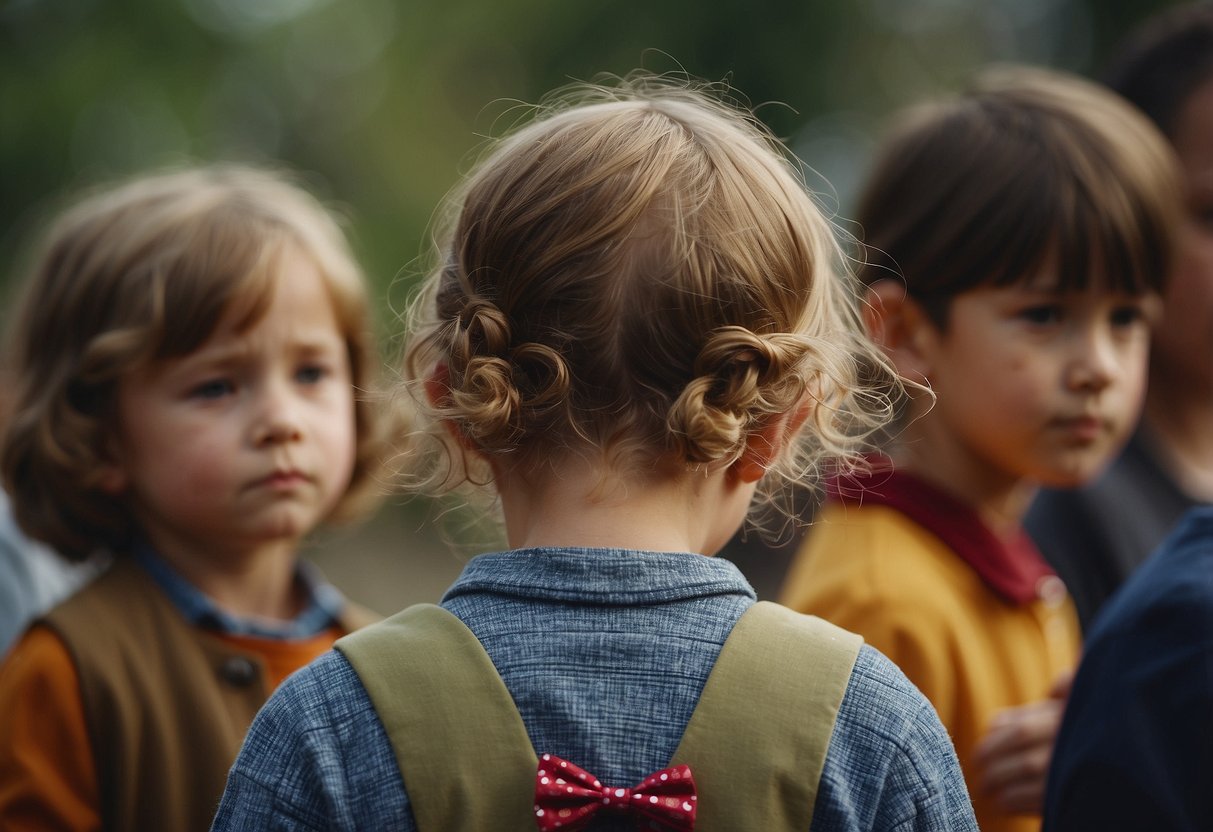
{"points": [[48, 779]]}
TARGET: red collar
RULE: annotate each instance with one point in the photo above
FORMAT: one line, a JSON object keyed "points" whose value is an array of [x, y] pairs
{"points": [[1014, 569]]}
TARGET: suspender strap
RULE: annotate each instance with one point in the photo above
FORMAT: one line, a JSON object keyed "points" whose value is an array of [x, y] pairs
{"points": [[462, 748], [757, 741]]}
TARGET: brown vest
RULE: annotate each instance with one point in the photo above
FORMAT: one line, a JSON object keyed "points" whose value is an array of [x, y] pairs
{"points": [[166, 705]]}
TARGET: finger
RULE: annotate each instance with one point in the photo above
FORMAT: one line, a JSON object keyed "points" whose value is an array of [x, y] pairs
{"points": [[1022, 798], [1020, 729], [1007, 771], [1061, 686]]}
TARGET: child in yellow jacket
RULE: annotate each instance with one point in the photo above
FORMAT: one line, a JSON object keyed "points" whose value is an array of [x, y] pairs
{"points": [[1019, 237]]}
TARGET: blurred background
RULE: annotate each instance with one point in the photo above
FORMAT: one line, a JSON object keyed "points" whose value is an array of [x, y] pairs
{"points": [[381, 104]]}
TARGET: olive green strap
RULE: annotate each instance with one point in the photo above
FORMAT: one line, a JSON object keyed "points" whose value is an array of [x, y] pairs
{"points": [[435, 688], [757, 741]]}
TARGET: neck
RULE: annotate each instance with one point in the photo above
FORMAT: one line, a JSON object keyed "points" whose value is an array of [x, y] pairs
{"points": [[1000, 499], [250, 584], [1180, 431], [573, 507]]}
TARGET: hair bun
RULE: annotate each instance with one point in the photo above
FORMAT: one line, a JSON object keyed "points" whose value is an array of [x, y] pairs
{"points": [[480, 329], [733, 385], [740, 363], [502, 391]]}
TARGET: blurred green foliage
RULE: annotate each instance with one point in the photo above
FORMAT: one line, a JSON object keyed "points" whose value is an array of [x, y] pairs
{"points": [[380, 102]]}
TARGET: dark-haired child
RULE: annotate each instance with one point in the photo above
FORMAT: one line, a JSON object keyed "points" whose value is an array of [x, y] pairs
{"points": [[1019, 238]]}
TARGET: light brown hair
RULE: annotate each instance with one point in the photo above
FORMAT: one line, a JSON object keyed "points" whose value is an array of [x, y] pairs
{"points": [[141, 272], [1028, 168], [639, 275]]}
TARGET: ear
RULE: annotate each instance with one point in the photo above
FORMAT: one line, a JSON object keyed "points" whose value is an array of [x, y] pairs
{"points": [[902, 328], [112, 480], [438, 385], [765, 445], [438, 391]]}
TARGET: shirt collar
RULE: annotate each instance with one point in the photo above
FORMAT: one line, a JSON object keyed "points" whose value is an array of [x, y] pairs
{"points": [[1013, 568], [613, 577], [323, 602]]}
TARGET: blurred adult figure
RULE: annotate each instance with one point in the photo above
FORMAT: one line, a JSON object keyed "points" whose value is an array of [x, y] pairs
{"points": [[33, 578], [1135, 749], [1096, 536]]}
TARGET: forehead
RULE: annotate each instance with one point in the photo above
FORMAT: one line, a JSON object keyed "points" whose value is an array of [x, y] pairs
{"points": [[1082, 272], [289, 306], [293, 295]]}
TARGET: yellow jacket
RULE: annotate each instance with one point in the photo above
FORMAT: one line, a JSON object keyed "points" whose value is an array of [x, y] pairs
{"points": [[971, 650]]}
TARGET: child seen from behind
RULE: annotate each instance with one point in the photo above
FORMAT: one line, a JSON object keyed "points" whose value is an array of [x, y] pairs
{"points": [[1019, 238], [635, 321], [188, 366]]}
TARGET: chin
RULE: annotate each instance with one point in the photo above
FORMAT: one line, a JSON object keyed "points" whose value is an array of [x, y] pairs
{"points": [[288, 526], [1075, 476]]}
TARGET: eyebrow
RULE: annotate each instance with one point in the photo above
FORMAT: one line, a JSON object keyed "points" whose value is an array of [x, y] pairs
{"points": [[237, 349]]}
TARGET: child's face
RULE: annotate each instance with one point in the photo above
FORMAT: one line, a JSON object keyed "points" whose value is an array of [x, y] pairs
{"points": [[248, 441], [1036, 385], [1183, 343]]}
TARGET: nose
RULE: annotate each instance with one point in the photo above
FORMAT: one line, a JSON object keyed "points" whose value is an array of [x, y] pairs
{"points": [[1095, 362], [277, 418]]}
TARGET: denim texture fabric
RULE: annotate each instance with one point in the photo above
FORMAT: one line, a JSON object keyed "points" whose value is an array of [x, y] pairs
{"points": [[605, 653]]}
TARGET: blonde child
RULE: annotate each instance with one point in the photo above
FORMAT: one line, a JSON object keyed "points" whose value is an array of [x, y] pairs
{"points": [[186, 369], [635, 320], [1020, 236]]}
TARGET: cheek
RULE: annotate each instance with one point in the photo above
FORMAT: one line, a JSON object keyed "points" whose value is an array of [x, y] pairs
{"points": [[1135, 378], [1185, 332], [339, 432]]}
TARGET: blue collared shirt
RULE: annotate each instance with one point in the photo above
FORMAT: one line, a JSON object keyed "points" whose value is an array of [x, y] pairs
{"points": [[585, 640], [323, 604]]}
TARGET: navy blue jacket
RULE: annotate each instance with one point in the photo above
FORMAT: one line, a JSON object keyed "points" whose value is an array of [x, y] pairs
{"points": [[1135, 749]]}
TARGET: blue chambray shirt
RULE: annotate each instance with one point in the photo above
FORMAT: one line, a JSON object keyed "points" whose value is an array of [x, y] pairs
{"points": [[323, 602], [605, 653]]}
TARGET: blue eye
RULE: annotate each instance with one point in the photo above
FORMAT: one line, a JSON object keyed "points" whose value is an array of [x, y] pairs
{"points": [[213, 389], [311, 374], [1043, 314]]}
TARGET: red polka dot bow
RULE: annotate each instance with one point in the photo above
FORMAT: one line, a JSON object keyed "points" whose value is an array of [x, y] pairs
{"points": [[567, 797]]}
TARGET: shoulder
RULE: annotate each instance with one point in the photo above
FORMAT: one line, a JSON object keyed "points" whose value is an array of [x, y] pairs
{"points": [[877, 544], [38, 661], [1168, 597], [122, 585], [1147, 670], [316, 753], [890, 759], [875, 571], [322, 699]]}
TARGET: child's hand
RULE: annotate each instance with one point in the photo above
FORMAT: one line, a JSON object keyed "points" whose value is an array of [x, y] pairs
{"points": [[1013, 757]]}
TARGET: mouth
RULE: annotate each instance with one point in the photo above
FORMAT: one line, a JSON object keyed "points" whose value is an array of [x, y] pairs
{"points": [[284, 480], [1083, 429]]}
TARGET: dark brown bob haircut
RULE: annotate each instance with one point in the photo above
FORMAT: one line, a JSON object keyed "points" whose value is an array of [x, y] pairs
{"points": [[1026, 170]]}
